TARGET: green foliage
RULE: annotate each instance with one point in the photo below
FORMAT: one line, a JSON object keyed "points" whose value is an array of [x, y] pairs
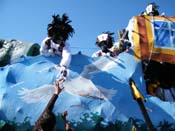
{"points": [[97, 122], [13, 126], [166, 126], [2, 123]]}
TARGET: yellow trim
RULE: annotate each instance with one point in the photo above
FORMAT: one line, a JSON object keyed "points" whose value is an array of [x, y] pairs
{"points": [[164, 51], [164, 18], [136, 93], [136, 39], [149, 29], [134, 128]]}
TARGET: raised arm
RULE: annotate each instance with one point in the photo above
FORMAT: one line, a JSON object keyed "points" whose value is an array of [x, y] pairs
{"points": [[57, 91]]}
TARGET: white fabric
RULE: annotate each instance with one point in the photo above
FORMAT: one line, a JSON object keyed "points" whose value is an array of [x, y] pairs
{"points": [[66, 53], [100, 53], [149, 9], [102, 37], [130, 29], [44, 48]]}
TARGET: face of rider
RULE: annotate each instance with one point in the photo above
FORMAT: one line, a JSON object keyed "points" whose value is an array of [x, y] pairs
{"points": [[58, 40], [103, 46]]}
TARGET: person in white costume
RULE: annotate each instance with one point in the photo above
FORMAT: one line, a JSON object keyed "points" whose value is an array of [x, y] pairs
{"points": [[49, 48], [105, 42], [126, 34], [55, 43], [151, 9]]}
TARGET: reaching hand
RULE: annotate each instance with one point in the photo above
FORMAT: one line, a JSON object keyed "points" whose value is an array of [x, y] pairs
{"points": [[63, 74], [57, 87], [63, 115], [66, 124]]}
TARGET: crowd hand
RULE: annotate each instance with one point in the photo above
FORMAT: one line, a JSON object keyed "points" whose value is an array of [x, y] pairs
{"points": [[57, 87], [63, 115], [61, 79]]}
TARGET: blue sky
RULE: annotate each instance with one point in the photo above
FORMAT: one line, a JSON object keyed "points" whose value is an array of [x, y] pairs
{"points": [[27, 20]]}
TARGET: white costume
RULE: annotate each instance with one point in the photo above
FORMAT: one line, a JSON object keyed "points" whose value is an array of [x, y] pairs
{"points": [[113, 49], [102, 37], [53, 49], [99, 53]]}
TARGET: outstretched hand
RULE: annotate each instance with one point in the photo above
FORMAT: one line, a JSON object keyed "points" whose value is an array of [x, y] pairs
{"points": [[63, 71], [64, 114], [66, 124], [57, 87], [62, 75]]}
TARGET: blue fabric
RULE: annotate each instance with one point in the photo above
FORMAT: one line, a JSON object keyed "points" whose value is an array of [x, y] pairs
{"points": [[95, 88]]}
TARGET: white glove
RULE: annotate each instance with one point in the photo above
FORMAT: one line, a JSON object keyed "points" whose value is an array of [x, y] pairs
{"points": [[63, 74], [63, 70]]}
